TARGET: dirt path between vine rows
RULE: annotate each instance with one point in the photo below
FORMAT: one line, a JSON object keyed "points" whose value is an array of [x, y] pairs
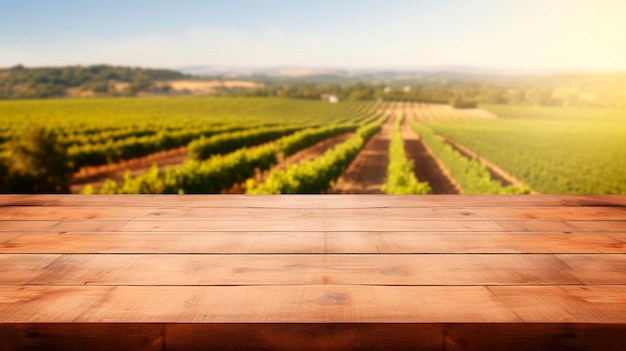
{"points": [[98, 174], [427, 167], [368, 172]]}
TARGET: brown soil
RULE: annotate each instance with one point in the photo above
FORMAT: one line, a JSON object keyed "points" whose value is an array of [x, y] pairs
{"points": [[97, 175], [427, 166], [368, 172]]}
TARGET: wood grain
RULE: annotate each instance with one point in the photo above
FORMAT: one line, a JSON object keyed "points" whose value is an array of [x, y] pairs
{"points": [[314, 201], [334, 272], [65, 213], [299, 225], [312, 242], [118, 270], [565, 304], [317, 336]]}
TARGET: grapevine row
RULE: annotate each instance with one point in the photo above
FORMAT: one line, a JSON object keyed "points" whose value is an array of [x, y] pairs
{"points": [[218, 173], [316, 176], [203, 148], [400, 172], [114, 151], [295, 142], [214, 175], [472, 176]]}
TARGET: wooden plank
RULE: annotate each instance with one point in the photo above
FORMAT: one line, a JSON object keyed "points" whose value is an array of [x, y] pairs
{"points": [[304, 225], [313, 336], [305, 269], [6, 237], [599, 226], [579, 213], [19, 269], [47, 304], [620, 237], [519, 242], [561, 304], [611, 300], [312, 242], [72, 213], [95, 213], [537, 226], [89, 226], [301, 336], [314, 201], [298, 304], [596, 269], [22, 226], [167, 242], [534, 336], [271, 304], [73, 336], [19, 226], [319, 271]]}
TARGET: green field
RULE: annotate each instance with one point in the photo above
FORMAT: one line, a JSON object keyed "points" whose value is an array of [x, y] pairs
{"points": [[101, 131], [218, 133], [554, 150], [72, 116]]}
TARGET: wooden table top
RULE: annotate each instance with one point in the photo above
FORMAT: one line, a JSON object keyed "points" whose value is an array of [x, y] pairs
{"points": [[313, 271]]}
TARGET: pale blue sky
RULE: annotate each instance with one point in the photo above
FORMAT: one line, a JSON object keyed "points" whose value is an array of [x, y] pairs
{"points": [[531, 34]]}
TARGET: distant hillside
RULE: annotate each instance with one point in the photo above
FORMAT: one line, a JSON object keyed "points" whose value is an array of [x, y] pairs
{"points": [[268, 72], [20, 82]]}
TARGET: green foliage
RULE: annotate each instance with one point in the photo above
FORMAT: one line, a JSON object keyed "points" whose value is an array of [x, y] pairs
{"points": [[36, 163], [101, 131], [203, 148], [554, 150], [316, 176], [217, 174], [472, 176], [290, 144], [88, 154], [400, 172], [459, 102], [20, 82]]}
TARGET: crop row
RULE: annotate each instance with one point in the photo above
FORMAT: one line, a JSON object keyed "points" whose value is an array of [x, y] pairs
{"points": [[400, 172], [293, 143], [472, 176], [317, 175], [219, 172], [91, 121], [203, 148], [552, 156], [128, 148]]}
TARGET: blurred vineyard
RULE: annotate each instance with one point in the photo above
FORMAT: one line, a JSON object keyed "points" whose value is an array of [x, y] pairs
{"points": [[274, 145]]}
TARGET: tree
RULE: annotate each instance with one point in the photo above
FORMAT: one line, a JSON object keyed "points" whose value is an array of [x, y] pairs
{"points": [[38, 163], [458, 102]]}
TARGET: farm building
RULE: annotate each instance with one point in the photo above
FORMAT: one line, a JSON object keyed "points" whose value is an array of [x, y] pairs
{"points": [[333, 98]]}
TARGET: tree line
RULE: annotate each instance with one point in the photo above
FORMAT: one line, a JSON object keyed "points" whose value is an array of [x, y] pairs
{"points": [[564, 91], [20, 82]]}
